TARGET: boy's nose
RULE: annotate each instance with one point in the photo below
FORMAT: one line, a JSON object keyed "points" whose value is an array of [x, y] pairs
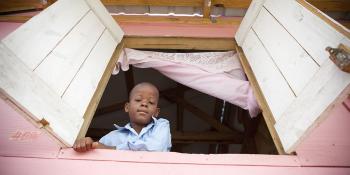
{"points": [[144, 103]]}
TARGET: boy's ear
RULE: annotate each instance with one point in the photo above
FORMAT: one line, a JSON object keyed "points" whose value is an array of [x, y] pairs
{"points": [[126, 107], [156, 113]]}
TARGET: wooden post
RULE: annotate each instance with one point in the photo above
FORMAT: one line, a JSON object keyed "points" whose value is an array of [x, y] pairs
{"points": [[206, 8]]}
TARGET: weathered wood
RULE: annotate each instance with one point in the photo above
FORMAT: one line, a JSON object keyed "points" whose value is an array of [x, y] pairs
{"points": [[106, 19], [294, 63], [329, 87], [62, 64], [179, 43], [266, 111], [84, 84], [275, 89], [13, 6], [243, 4], [32, 95], [191, 3], [33, 31], [331, 5], [302, 23], [99, 90], [248, 20], [206, 8]]}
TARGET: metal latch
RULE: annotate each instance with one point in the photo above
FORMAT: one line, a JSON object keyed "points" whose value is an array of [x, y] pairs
{"points": [[340, 56]]}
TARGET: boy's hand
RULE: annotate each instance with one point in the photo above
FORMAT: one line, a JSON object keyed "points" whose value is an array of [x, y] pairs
{"points": [[84, 144]]}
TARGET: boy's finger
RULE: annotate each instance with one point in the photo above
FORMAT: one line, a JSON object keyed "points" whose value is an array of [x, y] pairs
{"points": [[94, 145], [82, 147], [88, 145]]}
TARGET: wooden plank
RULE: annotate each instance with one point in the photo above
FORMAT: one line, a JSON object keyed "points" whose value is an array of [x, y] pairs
{"points": [[54, 27], [34, 97], [224, 160], [63, 63], [179, 19], [266, 111], [7, 6], [179, 43], [274, 87], [89, 113], [248, 20], [312, 32], [19, 137], [329, 143], [331, 5], [329, 87], [191, 3], [296, 66], [204, 116], [82, 88], [232, 4], [206, 8], [106, 19]]}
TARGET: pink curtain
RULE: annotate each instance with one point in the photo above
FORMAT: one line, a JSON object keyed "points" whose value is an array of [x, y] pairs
{"points": [[218, 74]]}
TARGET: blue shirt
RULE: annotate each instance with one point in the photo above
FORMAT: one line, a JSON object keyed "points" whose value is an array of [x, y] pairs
{"points": [[154, 137]]}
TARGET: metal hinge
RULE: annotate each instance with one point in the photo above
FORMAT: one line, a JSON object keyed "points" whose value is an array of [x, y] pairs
{"points": [[340, 56]]}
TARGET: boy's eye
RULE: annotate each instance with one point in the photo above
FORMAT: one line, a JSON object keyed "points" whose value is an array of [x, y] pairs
{"points": [[151, 102], [138, 100]]}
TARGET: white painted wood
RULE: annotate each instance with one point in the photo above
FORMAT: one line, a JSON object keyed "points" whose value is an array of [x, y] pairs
{"points": [[307, 108], [82, 88], [107, 20], [248, 20], [60, 67], [29, 92], [310, 31], [274, 87], [54, 27], [292, 60]]}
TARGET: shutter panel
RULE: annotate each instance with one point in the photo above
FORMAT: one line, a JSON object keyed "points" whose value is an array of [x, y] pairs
{"points": [[52, 65], [284, 43]]}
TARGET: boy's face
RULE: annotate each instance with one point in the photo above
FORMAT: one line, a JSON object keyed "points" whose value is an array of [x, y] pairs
{"points": [[142, 105]]}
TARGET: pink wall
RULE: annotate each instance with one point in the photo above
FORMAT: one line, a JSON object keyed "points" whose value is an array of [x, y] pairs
{"points": [[26, 149]]}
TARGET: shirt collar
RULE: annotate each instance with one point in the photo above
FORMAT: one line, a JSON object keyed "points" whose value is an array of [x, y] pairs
{"points": [[144, 129]]}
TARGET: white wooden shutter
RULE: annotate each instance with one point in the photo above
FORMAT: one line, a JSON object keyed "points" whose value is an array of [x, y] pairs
{"points": [[284, 43], [51, 65]]}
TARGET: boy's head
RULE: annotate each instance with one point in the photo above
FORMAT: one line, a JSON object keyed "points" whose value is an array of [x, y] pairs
{"points": [[143, 104]]}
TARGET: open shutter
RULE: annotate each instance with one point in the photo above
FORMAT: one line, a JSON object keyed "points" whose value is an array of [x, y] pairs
{"points": [[284, 43], [52, 65]]}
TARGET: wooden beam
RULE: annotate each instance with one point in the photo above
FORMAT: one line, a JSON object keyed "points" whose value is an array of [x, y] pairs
{"points": [[185, 3], [202, 115], [325, 18], [266, 111], [223, 44], [11, 6], [177, 19], [179, 109], [206, 8], [232, 4], [331, 5]]}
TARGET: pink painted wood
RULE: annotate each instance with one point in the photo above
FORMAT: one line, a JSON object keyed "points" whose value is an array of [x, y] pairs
{"points": [[25, 149], [178, 30], [18, 165], [329, 144], [19, 137]]}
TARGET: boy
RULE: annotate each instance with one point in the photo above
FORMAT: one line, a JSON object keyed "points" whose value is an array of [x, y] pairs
{"points": [[143, 133]]}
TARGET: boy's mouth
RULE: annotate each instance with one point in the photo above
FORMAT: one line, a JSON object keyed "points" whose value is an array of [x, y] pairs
{"points": [[142, 112]]}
